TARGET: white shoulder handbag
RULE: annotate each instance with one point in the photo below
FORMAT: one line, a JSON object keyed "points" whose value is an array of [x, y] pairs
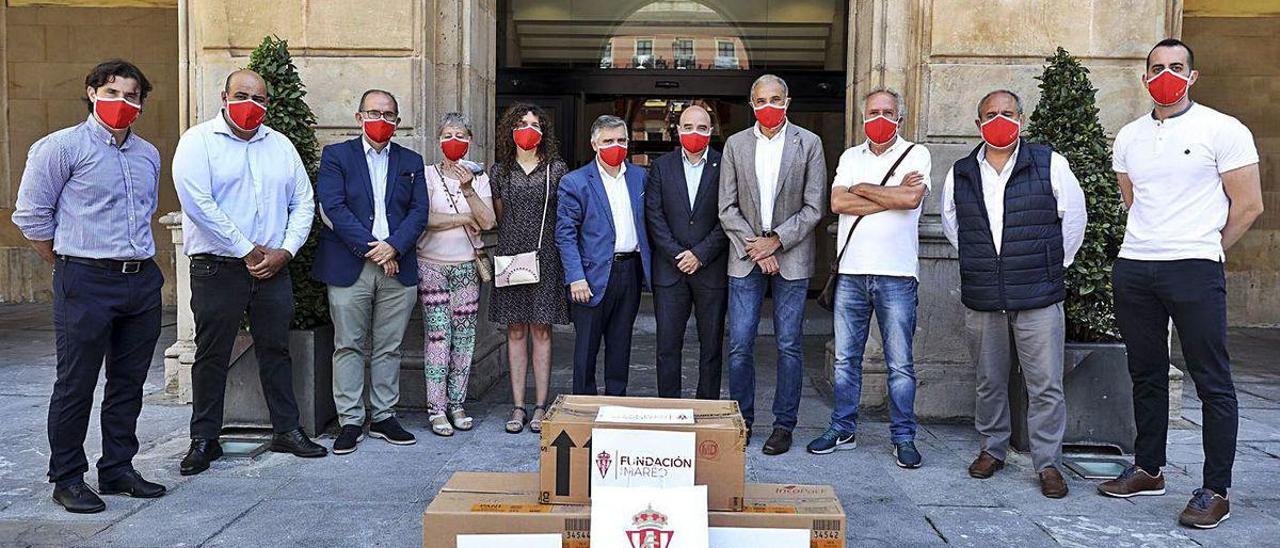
{"points": [[523, 268]]}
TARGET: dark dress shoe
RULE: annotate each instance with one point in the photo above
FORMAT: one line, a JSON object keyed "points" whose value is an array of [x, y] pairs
{"points": [[133, 485], [778, 443], [201, 453], [297, 443], [985, 466], [78, 499], [1052, 484]]}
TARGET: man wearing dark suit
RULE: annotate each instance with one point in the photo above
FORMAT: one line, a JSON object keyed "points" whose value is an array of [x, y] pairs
{"points": [[681, 208], [605, 253], [373, 202]]}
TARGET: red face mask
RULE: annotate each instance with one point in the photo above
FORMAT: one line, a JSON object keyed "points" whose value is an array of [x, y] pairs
{"points": [[527, 137], [454, 148], [1168, 87], [379, 131], [770, 115], [1001, 131], [880, 130], [613, 155], [246, 115], [695, 142], [115, 112]]}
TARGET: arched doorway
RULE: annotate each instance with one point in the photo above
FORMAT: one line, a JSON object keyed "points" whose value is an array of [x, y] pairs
{"points": [[644, 60]]}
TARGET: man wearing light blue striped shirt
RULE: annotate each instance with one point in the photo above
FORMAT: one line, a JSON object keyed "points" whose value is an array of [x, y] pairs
{"points": [[86, 201]]}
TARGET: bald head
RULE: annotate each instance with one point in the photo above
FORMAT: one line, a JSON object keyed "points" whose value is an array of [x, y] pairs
{"points": [[245, 84], [695, 118]]}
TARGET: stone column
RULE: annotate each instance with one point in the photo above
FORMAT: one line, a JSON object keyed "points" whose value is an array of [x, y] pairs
{"points": [[179, 356], [7, 194]]}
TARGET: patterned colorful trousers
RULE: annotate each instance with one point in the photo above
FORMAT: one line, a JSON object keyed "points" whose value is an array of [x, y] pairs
{"points": [[450, 296]]}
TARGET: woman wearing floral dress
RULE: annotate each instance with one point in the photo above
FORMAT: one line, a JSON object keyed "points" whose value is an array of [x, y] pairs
{"points": [[449, 286], [527, 163]]}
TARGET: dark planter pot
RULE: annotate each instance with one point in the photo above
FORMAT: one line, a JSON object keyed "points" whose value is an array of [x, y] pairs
{"points": [[1099, 395], [311, 352]]}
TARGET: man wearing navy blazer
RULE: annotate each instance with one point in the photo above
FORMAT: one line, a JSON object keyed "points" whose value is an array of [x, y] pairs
{"points": [[605, 253], [373, 202], [690, 270]]}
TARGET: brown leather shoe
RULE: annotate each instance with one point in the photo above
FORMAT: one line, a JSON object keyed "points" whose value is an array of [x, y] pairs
{"points": [[1206, 510], [1052, 484], [1133, 482], [985, 466]]}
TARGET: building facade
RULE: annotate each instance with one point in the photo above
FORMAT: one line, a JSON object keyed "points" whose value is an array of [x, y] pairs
{"points": [[645, 59]]}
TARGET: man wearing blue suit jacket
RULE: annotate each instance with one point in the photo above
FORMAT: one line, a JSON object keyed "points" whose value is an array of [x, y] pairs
{"points": [[600, 231], [373, 202], [690, 270]]}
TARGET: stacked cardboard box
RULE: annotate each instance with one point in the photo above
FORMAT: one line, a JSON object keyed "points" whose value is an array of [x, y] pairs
{"points": [[557, 500]]}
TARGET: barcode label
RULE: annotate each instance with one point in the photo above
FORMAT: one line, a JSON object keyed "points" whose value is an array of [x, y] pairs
{"points": [[826, 525], [577, 524]]}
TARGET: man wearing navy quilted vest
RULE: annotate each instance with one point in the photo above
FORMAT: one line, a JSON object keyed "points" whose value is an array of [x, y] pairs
{"points": [[1015, 213]]}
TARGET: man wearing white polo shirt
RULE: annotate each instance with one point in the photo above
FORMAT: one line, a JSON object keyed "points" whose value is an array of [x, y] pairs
{"points": [[1189, 175], [877, 192]]}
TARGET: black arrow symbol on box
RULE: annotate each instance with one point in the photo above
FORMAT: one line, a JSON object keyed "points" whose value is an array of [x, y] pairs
{"points": [[563, 443]]}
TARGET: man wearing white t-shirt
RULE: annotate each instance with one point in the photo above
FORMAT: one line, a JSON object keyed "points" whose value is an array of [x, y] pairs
{"points": [[879, 186], [1189, 176]]}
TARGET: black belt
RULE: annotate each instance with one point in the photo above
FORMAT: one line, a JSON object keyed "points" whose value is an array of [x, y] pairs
{"points": [[125, 267], [619, 257], [769, 234], [215, 258]]}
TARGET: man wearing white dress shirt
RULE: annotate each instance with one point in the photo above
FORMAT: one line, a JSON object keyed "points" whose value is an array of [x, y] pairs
{"points": [[1016, 214], [247, 208]]}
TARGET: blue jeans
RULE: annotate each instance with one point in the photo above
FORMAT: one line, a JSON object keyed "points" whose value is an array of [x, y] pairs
{"points": [[746, 295], [893, 299]]}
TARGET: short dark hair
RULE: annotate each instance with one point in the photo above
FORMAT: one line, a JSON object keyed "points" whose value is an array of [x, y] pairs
{"points": [[111, 69], [1173, 43], [366, 94]]}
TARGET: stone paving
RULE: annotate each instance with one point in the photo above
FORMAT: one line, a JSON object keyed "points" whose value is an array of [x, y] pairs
{"points": [[375, 496]]}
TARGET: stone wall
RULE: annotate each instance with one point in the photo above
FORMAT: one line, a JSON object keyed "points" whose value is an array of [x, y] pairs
{"points": [[48, 51], [1236, 56]]}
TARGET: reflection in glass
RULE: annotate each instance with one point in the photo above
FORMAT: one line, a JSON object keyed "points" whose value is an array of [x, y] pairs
{"points": [[674, 34]]}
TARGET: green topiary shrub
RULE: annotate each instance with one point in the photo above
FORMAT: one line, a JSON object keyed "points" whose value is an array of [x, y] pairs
{"points": [[289, 114], [1066, 118]]}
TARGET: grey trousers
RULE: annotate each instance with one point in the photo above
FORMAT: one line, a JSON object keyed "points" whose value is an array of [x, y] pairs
{"points": [[1038, 336], [377, 304]]}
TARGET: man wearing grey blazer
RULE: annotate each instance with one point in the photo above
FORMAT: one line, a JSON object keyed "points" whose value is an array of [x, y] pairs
{"points": [[773, 178]]}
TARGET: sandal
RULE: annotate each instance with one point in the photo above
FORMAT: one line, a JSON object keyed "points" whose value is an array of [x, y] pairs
{"points": [[515, 426], [535, 425], [459, 418], [440, 425]]}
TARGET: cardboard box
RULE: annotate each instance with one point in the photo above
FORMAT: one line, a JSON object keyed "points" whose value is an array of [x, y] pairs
{"points": [[503, 503], [566, 459], [779, 506], [489, 503]]}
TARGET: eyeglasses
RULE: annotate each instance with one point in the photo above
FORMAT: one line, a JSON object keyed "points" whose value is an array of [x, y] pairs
{"points": [[376, 114]]}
